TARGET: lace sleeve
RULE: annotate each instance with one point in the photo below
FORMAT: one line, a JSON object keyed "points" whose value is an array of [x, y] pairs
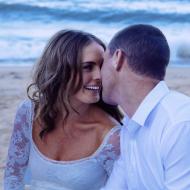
{"points": [[111, 150], [19, 148]]}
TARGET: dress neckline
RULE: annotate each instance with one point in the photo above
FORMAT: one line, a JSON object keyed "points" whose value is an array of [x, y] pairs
{"points": [[92, 156]]}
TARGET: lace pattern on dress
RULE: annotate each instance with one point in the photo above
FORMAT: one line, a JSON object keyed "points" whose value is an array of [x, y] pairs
{"points": [[111, 151], [18, 153]]}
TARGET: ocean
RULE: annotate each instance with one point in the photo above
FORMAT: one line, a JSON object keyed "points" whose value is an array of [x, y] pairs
{"points": [[26, 26]]}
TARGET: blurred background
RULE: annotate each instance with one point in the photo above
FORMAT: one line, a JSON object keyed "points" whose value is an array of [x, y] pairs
{"points": [[25, 26]]}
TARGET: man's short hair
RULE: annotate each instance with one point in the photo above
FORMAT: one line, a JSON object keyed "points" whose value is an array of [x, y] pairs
{"points": [[146, 49]]}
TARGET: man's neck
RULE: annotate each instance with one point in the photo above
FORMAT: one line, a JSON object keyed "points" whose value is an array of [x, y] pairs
{"points": [[133, 94]]}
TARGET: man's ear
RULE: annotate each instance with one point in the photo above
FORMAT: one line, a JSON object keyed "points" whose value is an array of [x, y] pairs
{"points": [[119, 59]]}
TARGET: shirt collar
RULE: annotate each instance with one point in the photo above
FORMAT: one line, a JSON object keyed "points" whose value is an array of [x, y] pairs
{"points": [[147, 105]]}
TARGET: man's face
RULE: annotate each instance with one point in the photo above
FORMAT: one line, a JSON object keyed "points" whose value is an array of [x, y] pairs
{"points": [[108, 73]]}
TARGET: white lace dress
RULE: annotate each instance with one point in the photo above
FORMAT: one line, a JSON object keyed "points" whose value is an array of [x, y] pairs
{"points": [[26, 164]]}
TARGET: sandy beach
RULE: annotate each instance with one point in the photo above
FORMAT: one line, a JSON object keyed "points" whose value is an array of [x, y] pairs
{"points": [[13, 83]]}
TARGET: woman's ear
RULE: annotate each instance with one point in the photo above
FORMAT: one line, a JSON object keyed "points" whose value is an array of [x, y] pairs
{"points": [[119, 59]]}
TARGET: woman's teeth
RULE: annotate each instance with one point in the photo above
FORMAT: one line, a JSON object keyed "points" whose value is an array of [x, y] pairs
{"points": [[92, 87]]}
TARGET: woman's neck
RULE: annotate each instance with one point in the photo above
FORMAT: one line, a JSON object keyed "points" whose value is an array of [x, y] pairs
{"points": [[78, 119]]}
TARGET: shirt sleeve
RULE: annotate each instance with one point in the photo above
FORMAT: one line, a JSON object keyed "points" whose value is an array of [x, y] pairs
{"points": [[176, 157], [18, 152]]}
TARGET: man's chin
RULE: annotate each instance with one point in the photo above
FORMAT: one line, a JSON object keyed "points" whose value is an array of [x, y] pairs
{"points": [[108, 100]]}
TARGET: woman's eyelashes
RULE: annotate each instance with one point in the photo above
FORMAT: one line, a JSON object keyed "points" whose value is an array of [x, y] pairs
{"points": [[88, 66]]}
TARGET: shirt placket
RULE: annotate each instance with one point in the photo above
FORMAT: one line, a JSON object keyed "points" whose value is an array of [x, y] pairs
{"points": [[132, 167]]}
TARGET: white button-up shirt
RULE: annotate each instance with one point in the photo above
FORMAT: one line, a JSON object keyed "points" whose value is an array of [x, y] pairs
{"points": [[155, 145]]}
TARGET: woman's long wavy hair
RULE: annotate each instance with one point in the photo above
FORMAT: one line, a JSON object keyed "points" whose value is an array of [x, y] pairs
{"points": [[55, 77]]}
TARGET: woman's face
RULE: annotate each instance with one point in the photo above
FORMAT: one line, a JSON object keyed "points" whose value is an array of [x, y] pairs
{"points": [[92, 59]]}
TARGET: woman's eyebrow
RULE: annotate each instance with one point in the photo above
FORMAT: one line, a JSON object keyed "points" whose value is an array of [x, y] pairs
{"points": [[93, 62], [89, 62]]}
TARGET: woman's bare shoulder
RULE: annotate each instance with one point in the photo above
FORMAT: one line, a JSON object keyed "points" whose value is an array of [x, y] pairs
{"points": [[105, 122], [107, 119]]}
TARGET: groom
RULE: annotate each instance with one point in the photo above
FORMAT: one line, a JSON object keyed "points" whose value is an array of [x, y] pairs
{"points": [[155, 139]]}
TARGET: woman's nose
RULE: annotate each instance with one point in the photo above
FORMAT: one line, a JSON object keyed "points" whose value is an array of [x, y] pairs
{"points": [[97, 73]]}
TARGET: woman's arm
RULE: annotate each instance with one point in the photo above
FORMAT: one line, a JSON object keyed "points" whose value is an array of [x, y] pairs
{"points": [[19, 148]]}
